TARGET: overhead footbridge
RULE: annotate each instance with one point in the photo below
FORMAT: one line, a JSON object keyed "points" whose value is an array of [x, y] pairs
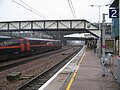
{"points": [[63, 26]]}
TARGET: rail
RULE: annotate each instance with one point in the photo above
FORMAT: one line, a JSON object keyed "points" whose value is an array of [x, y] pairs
{"points": [[39, 80]]}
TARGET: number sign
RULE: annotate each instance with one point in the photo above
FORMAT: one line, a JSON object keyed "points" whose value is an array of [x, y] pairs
{"points": [[113, 13]]}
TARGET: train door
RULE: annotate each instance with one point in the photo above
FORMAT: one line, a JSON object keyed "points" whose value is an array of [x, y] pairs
{"points": [[22, 45], [27, 45], [50, 45]]}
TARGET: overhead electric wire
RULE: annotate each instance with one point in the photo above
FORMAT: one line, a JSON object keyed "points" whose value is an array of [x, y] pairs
{"points": [[21, 5], [29, 8], [72, 8], [33, 9]]}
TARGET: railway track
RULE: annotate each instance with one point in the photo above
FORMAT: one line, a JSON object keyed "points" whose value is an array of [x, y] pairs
{"points": [[17, 62], [34, 68], [40, 79]]}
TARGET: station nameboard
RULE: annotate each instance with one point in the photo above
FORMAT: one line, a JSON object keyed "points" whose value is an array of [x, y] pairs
{"points": [[113, 13]]}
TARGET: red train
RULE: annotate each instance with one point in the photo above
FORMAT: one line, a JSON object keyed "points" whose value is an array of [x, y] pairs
{"points": [[27, 46]]}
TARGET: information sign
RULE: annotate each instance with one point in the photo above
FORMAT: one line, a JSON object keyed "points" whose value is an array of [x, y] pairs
{"points": [[113, 13]]}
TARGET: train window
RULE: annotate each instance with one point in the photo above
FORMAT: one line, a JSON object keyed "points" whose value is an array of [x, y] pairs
{"points": [[7, 43], [56, 42], [1, 44], [31, 42], [16, 42], [49, 43], [43, 42], [11, 42], [35, 42]]}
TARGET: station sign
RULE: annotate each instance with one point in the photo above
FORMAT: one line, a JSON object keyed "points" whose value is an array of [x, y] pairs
{"points": [[113, 13]]}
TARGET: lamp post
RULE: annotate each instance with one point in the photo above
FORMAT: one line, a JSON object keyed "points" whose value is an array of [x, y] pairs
{"points": [[99, 40], [103, 35], [103, 46]]}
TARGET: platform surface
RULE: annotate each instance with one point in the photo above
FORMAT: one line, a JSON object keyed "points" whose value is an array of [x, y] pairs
{"points": [[89, 76]]}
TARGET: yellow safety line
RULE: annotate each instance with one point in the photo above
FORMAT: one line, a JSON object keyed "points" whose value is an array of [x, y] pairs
{"points": [[74, 75]]}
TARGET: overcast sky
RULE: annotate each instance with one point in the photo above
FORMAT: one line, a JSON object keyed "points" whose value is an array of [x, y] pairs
{"points": [[52, 9]]}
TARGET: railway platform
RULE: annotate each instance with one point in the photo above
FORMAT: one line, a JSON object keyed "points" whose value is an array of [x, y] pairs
{"points": [[84, 73], [89, 75]]}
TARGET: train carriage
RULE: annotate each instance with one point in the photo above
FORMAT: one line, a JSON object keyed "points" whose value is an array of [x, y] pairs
{"points": [[18, 46], [36, 45], [42, 45]]}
